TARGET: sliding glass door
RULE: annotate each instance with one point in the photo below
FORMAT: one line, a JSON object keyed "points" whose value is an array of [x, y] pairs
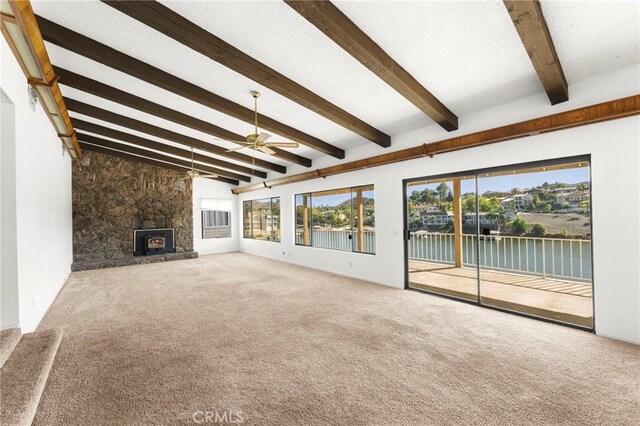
{"points": [[535, 247], [441, 236], [516, 238]]}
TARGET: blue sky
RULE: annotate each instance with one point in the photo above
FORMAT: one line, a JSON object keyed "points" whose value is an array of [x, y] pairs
{"points": [[495, 183], [333, 200], [524, 180]]}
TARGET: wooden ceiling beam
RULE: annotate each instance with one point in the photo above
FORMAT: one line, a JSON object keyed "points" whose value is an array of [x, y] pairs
{"points": [[99, 52], [130, 123], [94, 140], [325, 16], [170, 23], [532, 27], [169, 149], [618, 108], [97, 88], [130, 157]]}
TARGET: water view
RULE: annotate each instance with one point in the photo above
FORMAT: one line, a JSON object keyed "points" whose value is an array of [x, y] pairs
{"points": [[518, 239]]}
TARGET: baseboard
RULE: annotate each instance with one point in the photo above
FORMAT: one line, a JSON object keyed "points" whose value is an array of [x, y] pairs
{"points": [[215, 251], [7, 327], [401, 286], [621, 339]]}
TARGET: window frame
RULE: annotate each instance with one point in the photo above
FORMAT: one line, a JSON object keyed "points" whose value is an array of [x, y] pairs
{"points": [[275, 235], [203, 215], [351, 191]]}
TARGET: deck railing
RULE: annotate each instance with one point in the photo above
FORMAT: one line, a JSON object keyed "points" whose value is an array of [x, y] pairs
{"points": [[568, 259], [338, 239]]}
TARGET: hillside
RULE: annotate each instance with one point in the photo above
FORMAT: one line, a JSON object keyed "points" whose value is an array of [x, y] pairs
{"points": [[560, 224]]}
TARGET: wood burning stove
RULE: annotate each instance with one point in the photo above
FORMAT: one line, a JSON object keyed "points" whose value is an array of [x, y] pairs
{"points": [[154, 244], [153, 241]]}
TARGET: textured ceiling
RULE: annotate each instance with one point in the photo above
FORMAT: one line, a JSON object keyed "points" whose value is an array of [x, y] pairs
{"points": [[467, 53], [594, 37]]}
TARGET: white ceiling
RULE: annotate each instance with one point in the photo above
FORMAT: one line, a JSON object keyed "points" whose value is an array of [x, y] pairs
{"points": [[467, 53]]}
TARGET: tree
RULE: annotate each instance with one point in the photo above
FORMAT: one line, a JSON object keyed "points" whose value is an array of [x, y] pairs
{"points": [[519, 226], [538, 230], [536, 202], [428, 196], [443, 191], [494, 202], [450, 196], [448, 227], [415, 196], [469, 204], [581, 187], [497, 216], [484, 204], [445, 206], [415, 225]]}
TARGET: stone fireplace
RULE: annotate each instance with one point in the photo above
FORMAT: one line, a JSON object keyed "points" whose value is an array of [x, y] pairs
{"points": [[114, 198]]}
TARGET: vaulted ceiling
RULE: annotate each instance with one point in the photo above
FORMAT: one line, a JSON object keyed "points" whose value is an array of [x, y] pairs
{"points": [[167, 76]]}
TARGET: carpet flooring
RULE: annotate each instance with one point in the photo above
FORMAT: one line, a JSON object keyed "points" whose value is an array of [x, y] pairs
{"points": [[256, 341], [24, 375], [8, 340]]}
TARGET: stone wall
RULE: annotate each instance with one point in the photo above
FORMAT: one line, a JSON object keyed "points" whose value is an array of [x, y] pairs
{"points": [[113, 196]]}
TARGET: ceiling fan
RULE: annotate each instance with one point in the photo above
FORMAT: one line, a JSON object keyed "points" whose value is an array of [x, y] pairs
{"points": [[193, 173], [258, 141]]}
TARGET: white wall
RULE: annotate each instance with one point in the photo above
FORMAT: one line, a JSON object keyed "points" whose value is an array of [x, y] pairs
{"points": [[207, 188], [9, 316], [42, 201], [615, 156]]}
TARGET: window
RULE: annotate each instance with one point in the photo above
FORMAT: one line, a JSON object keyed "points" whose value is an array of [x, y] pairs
{"points": [[340, 219], [261, 219], [216, 218]]}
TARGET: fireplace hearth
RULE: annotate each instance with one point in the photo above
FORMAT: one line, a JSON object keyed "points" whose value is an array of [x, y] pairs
{"points": [[147, 242]]}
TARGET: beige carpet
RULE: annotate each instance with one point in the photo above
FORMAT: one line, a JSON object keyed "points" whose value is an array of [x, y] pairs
{"points": [[24, 375], [8, 341], [285, 345]]}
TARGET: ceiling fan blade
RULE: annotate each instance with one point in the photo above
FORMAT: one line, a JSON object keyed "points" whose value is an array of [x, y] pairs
{"points": [[266, 150], [209, 176], [262, 137], [283, 144], [235, 149]]}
